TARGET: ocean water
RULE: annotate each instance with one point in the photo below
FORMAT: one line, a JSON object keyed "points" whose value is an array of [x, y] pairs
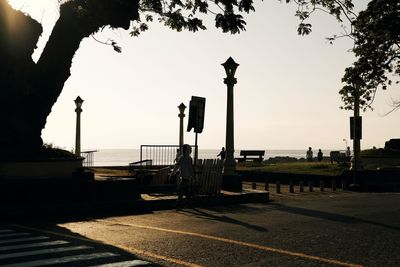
{"points": [[122, 157]]}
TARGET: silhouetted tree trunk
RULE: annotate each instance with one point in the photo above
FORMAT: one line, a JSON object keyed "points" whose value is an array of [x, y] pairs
{"points": [[28, 91]]}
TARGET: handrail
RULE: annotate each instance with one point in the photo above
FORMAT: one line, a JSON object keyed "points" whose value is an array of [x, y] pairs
{"points": [[161, 155], [89, 158]]}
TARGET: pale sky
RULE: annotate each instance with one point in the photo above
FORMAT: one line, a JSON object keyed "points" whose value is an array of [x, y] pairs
{"points": [[286, 96]]}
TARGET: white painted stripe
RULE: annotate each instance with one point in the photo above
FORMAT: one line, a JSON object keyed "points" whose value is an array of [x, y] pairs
{"points": [[25, 239], [41, 251], [131, 263], [68, 259], [13, 235], [34, 245], [6, 231]]}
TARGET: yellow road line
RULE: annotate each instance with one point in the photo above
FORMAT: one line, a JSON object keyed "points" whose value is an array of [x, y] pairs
{"points": [[240, 243], [160, 257], [123, 247]]}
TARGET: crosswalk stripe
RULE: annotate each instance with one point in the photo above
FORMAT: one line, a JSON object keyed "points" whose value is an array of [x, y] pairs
{"points": [[131, 263], [68, 259], [41, 251], [25, 239], [34, 245], [6, 231], [13, 235]]}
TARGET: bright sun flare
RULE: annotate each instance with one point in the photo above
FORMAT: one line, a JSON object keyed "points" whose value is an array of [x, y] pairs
{"points": [[37, 9]]}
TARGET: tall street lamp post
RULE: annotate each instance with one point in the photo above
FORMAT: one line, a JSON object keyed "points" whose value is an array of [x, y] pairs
{"points": [[181, 115], [356, 164], [231, 179], [78, 110]]}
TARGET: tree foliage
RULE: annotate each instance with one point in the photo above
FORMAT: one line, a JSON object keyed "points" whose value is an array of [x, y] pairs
{"points": [[228, 14], [377, 48], [28, 90]]}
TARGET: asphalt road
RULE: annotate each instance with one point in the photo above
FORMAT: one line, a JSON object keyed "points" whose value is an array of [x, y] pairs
{"points": [[308, 229]]}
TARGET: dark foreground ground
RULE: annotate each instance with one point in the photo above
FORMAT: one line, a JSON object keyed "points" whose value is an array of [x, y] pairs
{"points": [[309, 229]]}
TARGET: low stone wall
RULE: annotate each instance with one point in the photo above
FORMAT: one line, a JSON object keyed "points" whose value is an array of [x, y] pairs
{"points": [[59, 168]]}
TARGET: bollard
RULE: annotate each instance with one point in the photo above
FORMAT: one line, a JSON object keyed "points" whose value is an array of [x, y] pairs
{"points": [[291, 187], [254, 185], [266, 188], [343, 184], [310, 186], [301, 185], [321, 185], [278, 187], [333, 185]]}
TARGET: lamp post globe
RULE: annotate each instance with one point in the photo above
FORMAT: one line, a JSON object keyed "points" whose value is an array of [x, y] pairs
{"points": [[78, 102], [230, 67]]}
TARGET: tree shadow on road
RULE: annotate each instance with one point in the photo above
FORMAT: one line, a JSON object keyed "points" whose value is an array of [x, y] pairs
{"points": [[221, 218], [329, 216]]}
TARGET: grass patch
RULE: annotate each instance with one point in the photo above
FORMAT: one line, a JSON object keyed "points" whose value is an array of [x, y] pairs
{"points": [[317, 168]]}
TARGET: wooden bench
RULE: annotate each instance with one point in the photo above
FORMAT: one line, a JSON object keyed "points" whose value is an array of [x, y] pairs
{"points": [[254, 155]]}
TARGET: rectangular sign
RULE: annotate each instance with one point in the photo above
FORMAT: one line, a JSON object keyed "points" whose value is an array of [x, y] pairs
{"points": [[196, 114]]}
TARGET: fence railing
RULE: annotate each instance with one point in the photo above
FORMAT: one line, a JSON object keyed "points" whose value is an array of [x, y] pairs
{"points": [[89, 158], [160, 155], [209, 178]]}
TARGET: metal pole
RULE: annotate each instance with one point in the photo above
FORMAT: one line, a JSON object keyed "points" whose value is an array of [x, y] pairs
{"points": [[229, 145], [181, 115], [196, 151], [78, 132]]}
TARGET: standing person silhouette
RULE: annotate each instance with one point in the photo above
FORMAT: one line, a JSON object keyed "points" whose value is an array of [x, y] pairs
{"points": [[184, 165], [348, 154], [309, 155], [222, 154], [319, 155]]}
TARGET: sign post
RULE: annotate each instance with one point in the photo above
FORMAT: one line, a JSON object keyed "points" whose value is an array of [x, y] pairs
{"points": [[196, 119]]}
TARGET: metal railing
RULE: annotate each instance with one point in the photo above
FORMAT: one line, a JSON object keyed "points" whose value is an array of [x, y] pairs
{"points": [[160, 155], [89, 158]]}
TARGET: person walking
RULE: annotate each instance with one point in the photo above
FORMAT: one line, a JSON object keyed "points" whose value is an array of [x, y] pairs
{"points": [[309, 155], [320, 155], [222, 154], [185, 167]]}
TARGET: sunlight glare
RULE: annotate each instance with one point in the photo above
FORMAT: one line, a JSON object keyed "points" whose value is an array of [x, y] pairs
{"points": [[46, 12], [40, 10]]}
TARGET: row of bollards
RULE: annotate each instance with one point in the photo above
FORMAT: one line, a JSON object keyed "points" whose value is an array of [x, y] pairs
{"points": [[301, 186]]}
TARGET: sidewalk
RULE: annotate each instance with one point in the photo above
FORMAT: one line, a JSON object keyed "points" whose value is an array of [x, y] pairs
{"points": [[158, 201], [103, 198]]}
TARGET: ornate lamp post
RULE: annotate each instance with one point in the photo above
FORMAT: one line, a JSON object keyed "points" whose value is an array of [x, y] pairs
{"points": [[232, 180], [78, 110], [181, 115]]}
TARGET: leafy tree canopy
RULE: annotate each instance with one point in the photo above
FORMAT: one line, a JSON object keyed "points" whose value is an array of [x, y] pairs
{"points": [[183, 14], [32, 88], [377, 48]]}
